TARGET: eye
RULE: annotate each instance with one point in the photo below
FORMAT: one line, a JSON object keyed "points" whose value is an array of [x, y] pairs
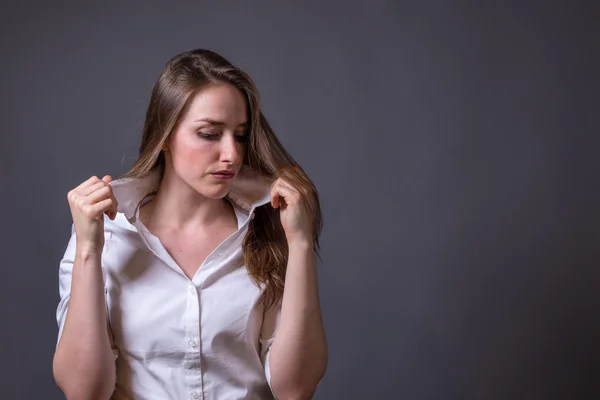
{"points": [[208, 136], [242, 138]]}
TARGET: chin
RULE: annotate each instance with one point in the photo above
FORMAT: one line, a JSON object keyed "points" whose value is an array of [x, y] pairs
{"points": [[213, 191]]}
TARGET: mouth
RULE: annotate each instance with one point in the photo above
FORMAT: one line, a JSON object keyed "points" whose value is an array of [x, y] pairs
{"points": [[224, 174]]}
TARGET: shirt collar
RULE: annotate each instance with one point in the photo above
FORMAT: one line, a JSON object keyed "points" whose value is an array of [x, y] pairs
{"points": [[248, 191]]}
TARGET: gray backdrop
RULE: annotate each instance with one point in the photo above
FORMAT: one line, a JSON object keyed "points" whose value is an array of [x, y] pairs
{"points": [[454, 145]]}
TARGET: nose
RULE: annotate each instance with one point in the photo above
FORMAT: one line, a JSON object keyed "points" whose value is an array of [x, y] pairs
{"points": [[230, 151]]}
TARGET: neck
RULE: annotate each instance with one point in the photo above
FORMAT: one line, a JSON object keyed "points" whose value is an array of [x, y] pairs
{"points": [[179, 206]]}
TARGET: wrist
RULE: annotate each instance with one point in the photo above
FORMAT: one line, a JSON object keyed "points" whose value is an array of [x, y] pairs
{"points": [[301, 242], [86, 252]]}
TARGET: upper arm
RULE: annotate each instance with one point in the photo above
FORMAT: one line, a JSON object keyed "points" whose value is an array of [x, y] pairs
{"points": [[267, 336]]}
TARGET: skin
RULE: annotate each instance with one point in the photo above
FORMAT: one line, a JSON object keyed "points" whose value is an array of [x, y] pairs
{"points": [[189, 209]]}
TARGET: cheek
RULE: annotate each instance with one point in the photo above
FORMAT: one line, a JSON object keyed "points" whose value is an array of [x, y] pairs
{"points": [[192, 153], [240, 150]]}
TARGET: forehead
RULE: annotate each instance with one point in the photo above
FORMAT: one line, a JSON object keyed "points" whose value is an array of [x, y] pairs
{"points": [[222, 102]]}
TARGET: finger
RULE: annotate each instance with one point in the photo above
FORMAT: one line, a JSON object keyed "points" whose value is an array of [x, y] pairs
{"points": [[289, 196], [98, 209], [92, 180], [280, 192], [87, 191], [112, 213], [274, 193], [289, 186], [100, 194], [286, 191], [114, 209]]}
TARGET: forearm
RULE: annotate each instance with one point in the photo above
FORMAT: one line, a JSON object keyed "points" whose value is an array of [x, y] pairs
{"points": [[83, 364], [298, 356]]}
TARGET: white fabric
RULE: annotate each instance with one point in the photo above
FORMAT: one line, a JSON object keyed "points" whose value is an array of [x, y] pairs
{"points": [[176, 338]]}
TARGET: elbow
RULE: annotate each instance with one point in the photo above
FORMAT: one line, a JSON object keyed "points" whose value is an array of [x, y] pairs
{"points": [[300, 387], [74, 391], [77, 384], [85, 396], [81, 395], [299, 392]]}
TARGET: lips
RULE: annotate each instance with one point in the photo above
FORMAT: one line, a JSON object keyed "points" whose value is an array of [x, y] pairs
{"points": [[223, 174]]}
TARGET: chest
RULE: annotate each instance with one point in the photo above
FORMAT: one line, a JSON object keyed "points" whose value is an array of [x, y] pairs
{"points": [[190, 250], [162, 316]]}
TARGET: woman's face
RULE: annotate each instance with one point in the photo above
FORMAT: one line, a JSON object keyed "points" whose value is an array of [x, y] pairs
{"points": [[208, 146]]}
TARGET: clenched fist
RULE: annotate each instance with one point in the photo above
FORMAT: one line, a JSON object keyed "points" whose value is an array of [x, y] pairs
{"points": [[88, 203]]}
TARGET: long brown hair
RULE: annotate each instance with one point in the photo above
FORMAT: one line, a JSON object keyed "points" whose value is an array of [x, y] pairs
{"points": [[265, 246]]}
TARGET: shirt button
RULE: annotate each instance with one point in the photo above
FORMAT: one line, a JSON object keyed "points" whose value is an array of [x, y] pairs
{"points": [[192, 290], [195, 395], [192, 343]]}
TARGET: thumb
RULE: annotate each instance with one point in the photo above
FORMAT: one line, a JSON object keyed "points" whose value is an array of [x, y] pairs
{"points": [[113, 211]]}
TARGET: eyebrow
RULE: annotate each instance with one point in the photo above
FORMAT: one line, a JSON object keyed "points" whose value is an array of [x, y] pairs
{"points": [[211, 121]]}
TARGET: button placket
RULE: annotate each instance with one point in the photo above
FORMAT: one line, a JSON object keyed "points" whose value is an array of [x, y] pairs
{"points": [[193, 342]]}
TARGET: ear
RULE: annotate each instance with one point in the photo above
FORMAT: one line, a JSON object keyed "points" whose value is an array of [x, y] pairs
{"points": [[165, 147]]}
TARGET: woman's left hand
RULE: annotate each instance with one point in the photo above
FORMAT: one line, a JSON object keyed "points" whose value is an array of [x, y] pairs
{"points": [[293, 211]]}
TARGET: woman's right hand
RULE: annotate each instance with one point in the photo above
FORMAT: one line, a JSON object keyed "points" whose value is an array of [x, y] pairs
{"points": [[88, 203]]}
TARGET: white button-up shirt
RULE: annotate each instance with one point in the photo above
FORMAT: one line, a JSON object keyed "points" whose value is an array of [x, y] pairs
{"points": [[172, 337]]}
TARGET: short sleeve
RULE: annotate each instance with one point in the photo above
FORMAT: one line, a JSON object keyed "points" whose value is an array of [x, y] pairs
{"points": [[65, 272], [267, 335]]}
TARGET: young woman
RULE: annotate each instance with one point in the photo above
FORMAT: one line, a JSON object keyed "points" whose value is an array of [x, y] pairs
{"points": [[194, 275]]}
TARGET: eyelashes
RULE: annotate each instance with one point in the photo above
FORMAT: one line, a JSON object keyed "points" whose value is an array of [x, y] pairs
{"points": [[208, 136], [215, 136]]}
